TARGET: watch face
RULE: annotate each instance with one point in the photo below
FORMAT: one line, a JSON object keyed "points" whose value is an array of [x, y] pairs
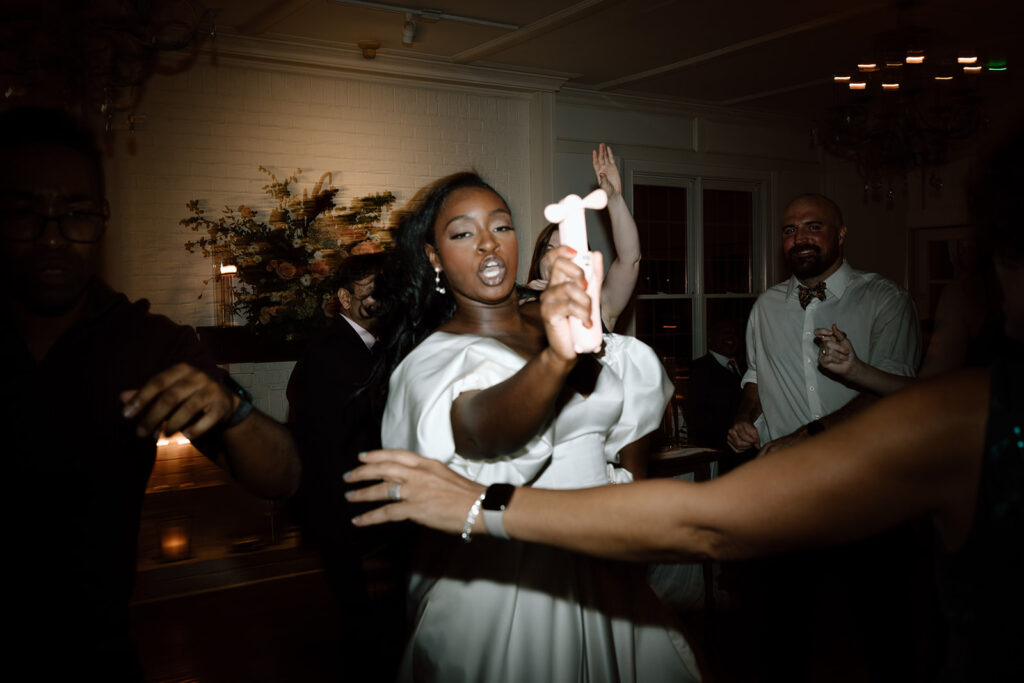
{"points": [[497, 496], [235, 388]]}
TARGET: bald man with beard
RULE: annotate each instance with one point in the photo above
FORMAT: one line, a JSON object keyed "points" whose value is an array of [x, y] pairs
{"points": [[821, 606]]}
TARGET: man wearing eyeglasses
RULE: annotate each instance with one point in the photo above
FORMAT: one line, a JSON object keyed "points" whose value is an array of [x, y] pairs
{"points": [[90, 380]]}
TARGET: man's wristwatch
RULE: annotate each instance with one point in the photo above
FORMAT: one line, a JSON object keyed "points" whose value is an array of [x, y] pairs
{"points": [[244, 402], [815, 427], [495, 503]]}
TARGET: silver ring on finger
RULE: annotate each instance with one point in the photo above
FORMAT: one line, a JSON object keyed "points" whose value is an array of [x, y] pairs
{"points": [[395, 492]]}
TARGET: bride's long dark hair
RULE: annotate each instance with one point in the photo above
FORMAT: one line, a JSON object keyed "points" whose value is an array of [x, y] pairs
{"points": [[410, 305]]}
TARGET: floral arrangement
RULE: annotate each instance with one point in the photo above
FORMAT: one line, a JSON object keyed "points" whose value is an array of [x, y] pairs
{"points": [[285, 263]]}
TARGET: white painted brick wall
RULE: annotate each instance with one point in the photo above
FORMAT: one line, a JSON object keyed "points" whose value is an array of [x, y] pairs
{"points": [[206, 132]]}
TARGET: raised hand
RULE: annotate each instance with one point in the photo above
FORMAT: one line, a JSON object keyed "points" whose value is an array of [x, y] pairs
{"points": [[607, 172]]}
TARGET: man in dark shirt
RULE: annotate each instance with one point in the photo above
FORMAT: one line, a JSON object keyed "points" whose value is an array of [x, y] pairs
{"points": [[334, 417], [93, 378], [714, 388]]}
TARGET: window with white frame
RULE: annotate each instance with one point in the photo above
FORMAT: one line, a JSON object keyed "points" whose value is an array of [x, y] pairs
{"points": [[703, 243]]}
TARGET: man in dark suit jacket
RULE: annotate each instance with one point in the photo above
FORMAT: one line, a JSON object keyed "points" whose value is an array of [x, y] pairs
{"points": [[334, 419], [715, 390]]}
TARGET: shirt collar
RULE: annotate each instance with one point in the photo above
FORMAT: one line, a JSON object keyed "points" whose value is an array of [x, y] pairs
{"points": [[722, 360], [363, 333], [836, 283]]}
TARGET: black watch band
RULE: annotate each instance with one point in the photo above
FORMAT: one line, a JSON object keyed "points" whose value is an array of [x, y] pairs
{"points": [[495, 502], [244, 402]]}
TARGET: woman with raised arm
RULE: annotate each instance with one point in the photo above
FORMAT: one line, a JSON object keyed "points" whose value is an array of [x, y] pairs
{"points": [[620, 281], [497, 394], [950, 449]]}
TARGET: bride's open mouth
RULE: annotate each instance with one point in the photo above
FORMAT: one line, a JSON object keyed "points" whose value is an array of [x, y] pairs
{"points": [[492, 270]]}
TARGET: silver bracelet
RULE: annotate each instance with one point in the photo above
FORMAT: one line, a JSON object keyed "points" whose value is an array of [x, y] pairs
{"points": [[474, 512]]}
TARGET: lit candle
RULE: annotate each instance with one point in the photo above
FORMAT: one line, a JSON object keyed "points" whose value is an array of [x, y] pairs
{"points": [[174, 542]]}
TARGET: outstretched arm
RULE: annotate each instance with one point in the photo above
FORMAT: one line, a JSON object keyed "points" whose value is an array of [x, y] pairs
{"points": [[259, 452], [915, 453], [620, 281], [504, 417]]}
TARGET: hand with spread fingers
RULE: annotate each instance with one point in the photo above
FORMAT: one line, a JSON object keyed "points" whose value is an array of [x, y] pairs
{"points": [[608, 178], [419, 489]]}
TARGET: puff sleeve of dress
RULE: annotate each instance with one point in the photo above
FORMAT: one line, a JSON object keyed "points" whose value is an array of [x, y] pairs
{"points": [[646, 389], [422, 390]]}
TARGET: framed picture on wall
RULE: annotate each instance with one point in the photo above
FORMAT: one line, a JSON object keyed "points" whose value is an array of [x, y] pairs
{"points": [[937, 257]]}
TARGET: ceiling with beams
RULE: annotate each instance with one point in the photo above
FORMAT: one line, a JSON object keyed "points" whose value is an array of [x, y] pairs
{"points": [[773, 57]]}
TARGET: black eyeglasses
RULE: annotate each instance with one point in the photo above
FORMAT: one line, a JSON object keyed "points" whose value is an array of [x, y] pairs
{"points": [[25, 225]]}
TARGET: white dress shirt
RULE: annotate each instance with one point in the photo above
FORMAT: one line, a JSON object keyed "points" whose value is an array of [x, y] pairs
{"points": [[782, 359]]}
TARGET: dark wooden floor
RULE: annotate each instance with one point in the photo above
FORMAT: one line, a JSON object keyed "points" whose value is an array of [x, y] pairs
{"points": [[275, 631]]}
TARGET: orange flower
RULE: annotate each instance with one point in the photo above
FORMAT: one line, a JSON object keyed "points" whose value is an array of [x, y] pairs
{"points": [[286, 270], [367, 247]]}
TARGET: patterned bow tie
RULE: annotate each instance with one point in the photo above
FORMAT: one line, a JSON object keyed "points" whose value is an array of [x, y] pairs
{"points": [[808, 293]]}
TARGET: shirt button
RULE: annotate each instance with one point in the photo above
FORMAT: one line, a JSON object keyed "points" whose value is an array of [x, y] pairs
{"points": [[811, 388]]}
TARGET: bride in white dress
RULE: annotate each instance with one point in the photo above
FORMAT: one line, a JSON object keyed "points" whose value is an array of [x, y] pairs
{"points": [[498, 394]]}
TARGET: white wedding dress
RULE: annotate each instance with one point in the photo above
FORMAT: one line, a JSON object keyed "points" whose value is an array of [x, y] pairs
{"points": [[496, 611]]}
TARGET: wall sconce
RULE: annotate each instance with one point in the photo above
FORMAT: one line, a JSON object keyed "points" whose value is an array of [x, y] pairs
{"points": [[224, 274], [409, 29]]}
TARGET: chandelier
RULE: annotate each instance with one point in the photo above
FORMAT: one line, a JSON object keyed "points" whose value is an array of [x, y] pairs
{"points": [[95, 56], [906, 108]]}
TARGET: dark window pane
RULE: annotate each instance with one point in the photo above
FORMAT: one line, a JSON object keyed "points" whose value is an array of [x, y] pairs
{"points": [[728, 241], [660, 214], [727, 324], [666, 326]]}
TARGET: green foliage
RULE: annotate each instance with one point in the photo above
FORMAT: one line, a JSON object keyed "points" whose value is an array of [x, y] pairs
{"points": [[286, 263]]}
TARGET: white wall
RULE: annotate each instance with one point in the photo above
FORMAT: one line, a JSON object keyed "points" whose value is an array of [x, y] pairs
{"points": [[397, 126], [678, 139], [204, 133]]}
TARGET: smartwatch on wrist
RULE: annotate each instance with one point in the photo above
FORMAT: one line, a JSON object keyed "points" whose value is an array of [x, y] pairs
{"points": [[495, 502], [244, 402]]}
